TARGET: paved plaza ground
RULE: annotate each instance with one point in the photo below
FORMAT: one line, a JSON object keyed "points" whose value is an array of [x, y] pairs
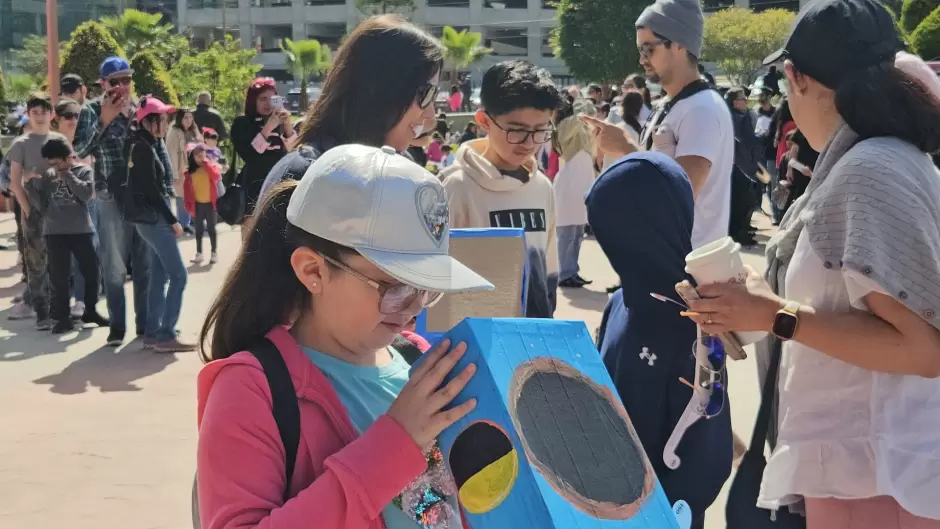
{"points": [[97, 438]]}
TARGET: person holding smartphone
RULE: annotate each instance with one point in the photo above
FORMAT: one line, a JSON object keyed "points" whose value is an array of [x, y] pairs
{"points": [[260, 138]]}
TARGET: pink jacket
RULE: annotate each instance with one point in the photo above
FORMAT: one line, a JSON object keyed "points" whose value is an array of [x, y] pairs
{"points": [[340, 481]]}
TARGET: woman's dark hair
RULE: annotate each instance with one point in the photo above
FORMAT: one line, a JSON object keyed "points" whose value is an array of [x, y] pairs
{"points": [[454, 89], [631, 105], [884, 101], [178, 119], [246, 308], [60, 108], [382, 65], [257, 87], [640, 82], [780, 118]]}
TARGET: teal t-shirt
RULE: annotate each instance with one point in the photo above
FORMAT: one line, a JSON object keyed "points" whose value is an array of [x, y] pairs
{"points": [[367, 392]]}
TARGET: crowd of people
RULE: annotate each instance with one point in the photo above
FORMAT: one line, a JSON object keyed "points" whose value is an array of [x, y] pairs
{"points": [[345, 241]]}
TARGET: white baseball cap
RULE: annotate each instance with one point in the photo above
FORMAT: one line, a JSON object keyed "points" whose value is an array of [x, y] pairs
{"points": [[389, 209]]}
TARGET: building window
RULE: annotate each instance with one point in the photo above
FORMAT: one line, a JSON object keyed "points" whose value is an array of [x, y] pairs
{"points": [[212, 4], [281, 76], [506, 4], [270, 38], [547, 49], [327, 34], [270, 3], [449, 3], [716, 5], [507, 42], [325, 2]]}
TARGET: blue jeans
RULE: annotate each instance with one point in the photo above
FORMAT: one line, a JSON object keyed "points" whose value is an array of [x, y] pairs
{"points": [[116, 240], [772, 170], [78, 281], [167, 281], [569, 249], [186, 220]]}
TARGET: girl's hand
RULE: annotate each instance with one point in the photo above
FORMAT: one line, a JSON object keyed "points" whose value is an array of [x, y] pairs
{"points": [[271, 124], [728, 307], [418, 408]]}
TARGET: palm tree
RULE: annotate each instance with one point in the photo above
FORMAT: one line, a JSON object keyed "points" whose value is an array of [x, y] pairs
{"points": [[137, 31], [306, 58], [461, 49]]}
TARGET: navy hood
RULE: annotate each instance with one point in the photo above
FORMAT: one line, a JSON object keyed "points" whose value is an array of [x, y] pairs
{"points": [[641, 212]]}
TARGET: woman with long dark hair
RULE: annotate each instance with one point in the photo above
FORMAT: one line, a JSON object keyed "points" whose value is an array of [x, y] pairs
{"points": [[183, 131], [636, 82], [380, 91], [852, 292], [261, 139]]}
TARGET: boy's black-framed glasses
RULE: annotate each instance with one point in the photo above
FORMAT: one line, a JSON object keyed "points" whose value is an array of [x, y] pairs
{"points": [[520, 136]]}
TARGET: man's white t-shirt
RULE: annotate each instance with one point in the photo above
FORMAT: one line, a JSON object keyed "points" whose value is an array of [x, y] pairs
{"points": [[700, 125]]}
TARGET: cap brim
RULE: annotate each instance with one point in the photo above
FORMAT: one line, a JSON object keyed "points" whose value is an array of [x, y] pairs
{"points": [[121, 73], [438, 273], [775, 57]]}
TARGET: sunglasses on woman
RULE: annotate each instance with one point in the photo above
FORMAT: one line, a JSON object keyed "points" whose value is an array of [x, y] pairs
{"points": [[68, 116], [392, 298], [427, 94], [211, 136]]}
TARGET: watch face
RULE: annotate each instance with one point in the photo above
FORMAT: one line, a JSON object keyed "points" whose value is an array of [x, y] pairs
{"points": [[785, 325]]}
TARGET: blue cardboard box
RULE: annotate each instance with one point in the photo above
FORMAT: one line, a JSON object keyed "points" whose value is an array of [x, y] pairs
{"points": [[549, 444]]}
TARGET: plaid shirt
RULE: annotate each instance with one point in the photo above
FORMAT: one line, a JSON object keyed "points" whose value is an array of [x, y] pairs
{"points": [[107, 146]]}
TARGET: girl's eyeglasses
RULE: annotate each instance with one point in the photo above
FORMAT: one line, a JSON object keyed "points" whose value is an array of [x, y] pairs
{"points": [[68, 116], [520, 136], [426, 95], [392, 299]]}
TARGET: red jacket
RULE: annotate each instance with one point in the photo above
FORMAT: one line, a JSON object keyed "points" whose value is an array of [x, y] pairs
{"points": [[189, 198]]}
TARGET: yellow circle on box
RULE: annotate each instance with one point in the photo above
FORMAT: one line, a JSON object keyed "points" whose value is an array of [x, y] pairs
{"points": [[486, 489]]}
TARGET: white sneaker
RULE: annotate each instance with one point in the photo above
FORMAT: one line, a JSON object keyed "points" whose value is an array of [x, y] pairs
{"points": [[198, 259], [213, 258], [78, 310]]}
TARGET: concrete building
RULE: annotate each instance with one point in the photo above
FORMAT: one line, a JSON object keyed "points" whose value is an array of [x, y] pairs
{"points": [[515, 29]]}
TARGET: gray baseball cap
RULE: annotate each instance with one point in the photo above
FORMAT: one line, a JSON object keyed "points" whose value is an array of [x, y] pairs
{"points": [[389, 209]]}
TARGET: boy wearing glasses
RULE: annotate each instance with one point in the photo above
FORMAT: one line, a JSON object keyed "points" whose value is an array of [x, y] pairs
{"points": [[495, 181]]}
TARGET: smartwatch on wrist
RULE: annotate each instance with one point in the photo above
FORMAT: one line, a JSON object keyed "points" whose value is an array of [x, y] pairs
{"points": [[786, 321]]}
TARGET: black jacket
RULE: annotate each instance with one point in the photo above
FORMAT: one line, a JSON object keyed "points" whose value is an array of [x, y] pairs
{"points": [[207, 116], [143, 200]]}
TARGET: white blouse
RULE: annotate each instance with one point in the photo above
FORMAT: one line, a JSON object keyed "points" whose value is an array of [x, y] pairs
{"points": [[847, 432]]}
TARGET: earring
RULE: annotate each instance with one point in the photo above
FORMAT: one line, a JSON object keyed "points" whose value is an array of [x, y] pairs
{"points": [[313, 285]]}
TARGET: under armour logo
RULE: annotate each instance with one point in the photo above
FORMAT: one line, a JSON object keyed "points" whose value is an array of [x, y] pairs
{"points": [[648, 356]]}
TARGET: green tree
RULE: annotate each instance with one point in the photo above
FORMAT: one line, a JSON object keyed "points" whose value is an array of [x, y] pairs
{"points": [[913, 12], [739, 39], [306, 58], [89, 46], [150, 77], [3, 88], [20, 86], [225, 70], [136, 31], [32, 58], [462, 48], [926, 38], [597, 38], [378, 7]]}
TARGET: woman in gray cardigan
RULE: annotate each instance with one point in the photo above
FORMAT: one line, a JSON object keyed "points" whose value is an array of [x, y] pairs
{"points": [[853, 285]]}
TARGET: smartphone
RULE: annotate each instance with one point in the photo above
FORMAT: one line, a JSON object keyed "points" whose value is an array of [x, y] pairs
{"points": [[277, 102]]}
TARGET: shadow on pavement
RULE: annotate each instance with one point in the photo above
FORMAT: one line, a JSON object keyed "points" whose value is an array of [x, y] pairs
{"points": [[108, 369], [25, 342], [585, 298]]}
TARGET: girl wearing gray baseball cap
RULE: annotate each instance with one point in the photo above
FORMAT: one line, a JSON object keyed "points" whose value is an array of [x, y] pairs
{"points": [[852, 293], [332, 273]]}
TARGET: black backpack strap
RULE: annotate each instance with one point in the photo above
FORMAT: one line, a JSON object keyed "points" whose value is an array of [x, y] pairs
{"points": [[284, 404], [407, 349]]}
